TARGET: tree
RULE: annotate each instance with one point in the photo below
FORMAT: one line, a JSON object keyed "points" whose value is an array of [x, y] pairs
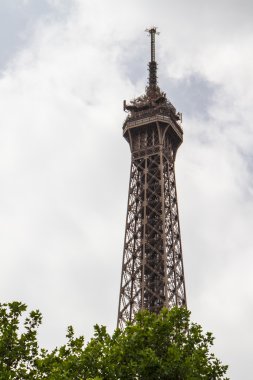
{"points": [[164, 346], [18, 351]]}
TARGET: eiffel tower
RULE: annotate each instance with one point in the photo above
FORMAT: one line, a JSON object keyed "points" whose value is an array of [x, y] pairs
{"points": [[152, 269]]}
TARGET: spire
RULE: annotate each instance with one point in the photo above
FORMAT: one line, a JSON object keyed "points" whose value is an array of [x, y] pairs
{"points": [[153, 96], [152, 64]]}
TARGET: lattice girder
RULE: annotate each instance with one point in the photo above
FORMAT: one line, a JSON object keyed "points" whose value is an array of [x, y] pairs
{"points": [[152, 269]]}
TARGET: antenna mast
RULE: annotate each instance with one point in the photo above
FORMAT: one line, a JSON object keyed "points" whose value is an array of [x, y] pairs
{"points": [[152, 64]]}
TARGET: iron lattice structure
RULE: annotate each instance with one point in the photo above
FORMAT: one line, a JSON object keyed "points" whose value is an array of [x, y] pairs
{"points": [[152, 269]]}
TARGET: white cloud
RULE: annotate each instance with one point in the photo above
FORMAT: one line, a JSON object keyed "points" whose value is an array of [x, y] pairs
{"points": [[64, 165]]}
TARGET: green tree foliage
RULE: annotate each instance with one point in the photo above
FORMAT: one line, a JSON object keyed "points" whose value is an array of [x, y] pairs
{"points": [[18, 351], [165, 346]]}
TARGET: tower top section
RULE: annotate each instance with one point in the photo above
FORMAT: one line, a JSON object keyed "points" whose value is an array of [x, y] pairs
{"points": [[154, 101]]}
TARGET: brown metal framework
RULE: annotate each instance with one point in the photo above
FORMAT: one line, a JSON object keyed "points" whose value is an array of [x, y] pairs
{"points": [[152, 269]]}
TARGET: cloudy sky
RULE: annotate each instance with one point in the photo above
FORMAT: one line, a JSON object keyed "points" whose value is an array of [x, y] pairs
{"points": [[65, 68]]}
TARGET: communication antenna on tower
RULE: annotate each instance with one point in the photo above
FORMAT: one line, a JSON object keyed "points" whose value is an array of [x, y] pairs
{"points": [[152, 31], [152, 64]]}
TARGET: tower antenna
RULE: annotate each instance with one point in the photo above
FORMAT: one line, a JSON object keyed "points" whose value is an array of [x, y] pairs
{"points": [[152, 64]]}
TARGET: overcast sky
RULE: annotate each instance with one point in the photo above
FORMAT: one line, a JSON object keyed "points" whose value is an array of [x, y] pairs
{"points": [[65, 68]]}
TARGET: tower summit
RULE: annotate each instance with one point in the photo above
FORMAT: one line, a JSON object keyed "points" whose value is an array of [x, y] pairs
{"points": [[152, 270]]}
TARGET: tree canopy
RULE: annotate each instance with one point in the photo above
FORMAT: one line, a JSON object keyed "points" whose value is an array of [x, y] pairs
{"points": [[167, 346]]}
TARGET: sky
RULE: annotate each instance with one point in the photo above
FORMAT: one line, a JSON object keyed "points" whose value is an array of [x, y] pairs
{"points": [[65, 68]]}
